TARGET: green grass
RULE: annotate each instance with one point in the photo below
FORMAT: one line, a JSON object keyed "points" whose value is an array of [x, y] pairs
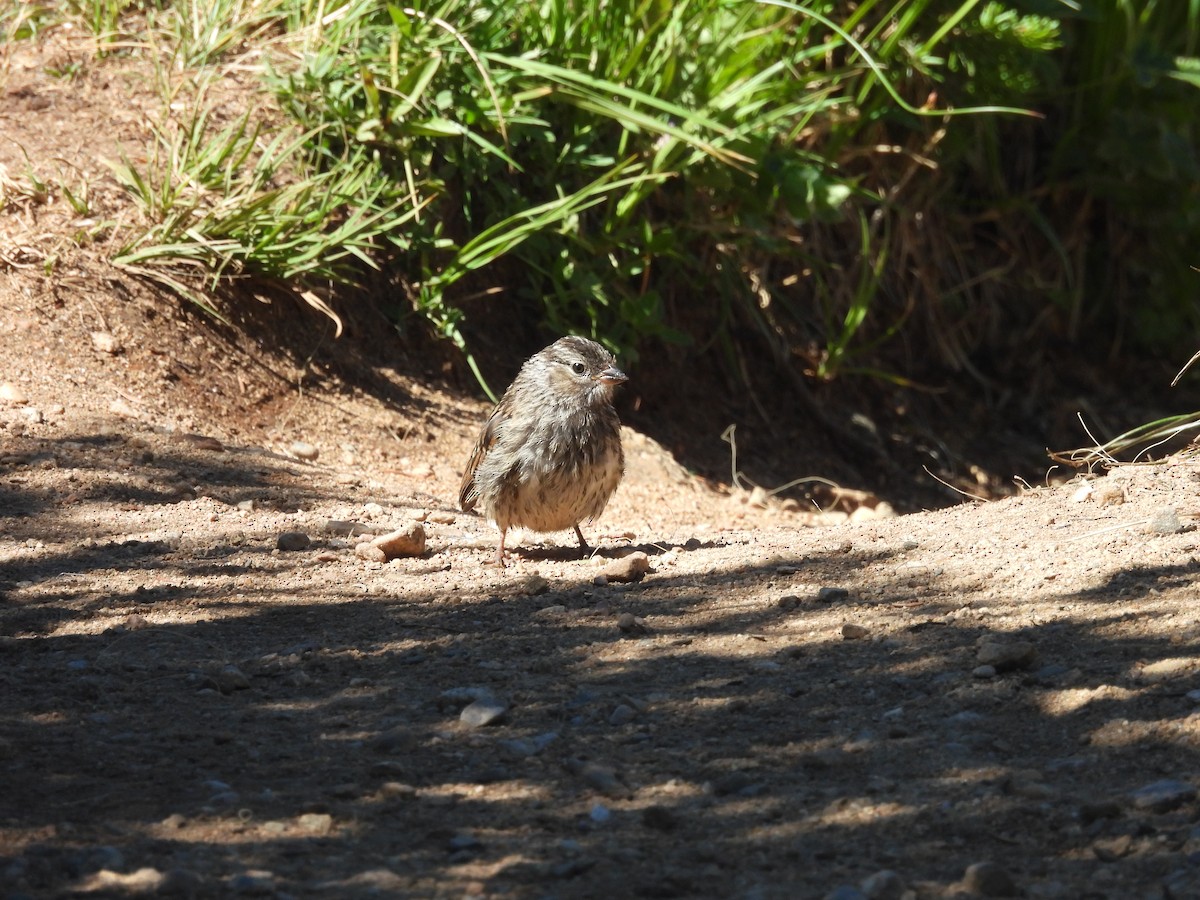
{"points": [[828, 177]]}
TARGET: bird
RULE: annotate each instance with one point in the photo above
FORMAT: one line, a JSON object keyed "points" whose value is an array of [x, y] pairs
{"points": [[550, 454]]}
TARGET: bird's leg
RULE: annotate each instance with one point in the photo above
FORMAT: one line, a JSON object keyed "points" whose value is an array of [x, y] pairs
{"points": [[500, 549], [583, 545]]}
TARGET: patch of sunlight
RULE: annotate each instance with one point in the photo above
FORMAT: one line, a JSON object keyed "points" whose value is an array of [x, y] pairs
{"points": [[857, 811], [1065, 701]]}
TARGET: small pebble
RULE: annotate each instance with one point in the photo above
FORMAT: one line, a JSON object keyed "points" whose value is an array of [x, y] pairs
{"points": [[884, 885], [1165, 520], [229, 679], [631, 624], [441, 518], [1006, 656], [292, 541], [370, 552], [105, 342], [316, 823], [254, 883], [989, 880], [1163, 796], [120, 407], [852, 632], [832, 594], [409, 541], [304, 450], [622, 715], [599, 813], [628, 568], [341, 528], [485, 711], [531, 586], [596, 776], [10, 393], [983, 672]]}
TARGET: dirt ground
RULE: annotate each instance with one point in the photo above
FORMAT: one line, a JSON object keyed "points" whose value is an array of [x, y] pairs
{"points": [[207, 691]]}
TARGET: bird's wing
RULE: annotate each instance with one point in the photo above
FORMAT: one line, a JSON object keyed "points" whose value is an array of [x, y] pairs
{"points": [[467, 493]]}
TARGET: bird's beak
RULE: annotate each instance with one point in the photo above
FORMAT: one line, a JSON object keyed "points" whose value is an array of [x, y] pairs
{"points": [[612, 375]]}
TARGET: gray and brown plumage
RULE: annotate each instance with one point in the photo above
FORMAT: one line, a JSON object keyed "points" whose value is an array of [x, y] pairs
{"points": [[550, 455]]}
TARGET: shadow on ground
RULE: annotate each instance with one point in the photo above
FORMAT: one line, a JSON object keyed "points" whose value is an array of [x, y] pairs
{"points": [[206, 717]]}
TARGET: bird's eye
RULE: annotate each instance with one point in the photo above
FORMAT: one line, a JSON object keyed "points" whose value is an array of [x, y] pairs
{"points": [[578, 368]]}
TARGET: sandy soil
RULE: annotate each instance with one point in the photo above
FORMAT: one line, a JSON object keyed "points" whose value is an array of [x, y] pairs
{"points": [[989, 700]]}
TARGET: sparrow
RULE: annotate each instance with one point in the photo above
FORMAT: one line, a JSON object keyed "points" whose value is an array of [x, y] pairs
{"points": [[550, 454]]}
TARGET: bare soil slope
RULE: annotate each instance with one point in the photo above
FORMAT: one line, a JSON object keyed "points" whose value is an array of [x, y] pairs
{"points": [[989, 700]]}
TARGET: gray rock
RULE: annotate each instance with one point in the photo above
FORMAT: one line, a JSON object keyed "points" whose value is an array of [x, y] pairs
{"points": [[884, 885], [1051, 672], [229, 679], [1165, 520], [631, 624], [1163, 796], [292, 541], [482, 712]]}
